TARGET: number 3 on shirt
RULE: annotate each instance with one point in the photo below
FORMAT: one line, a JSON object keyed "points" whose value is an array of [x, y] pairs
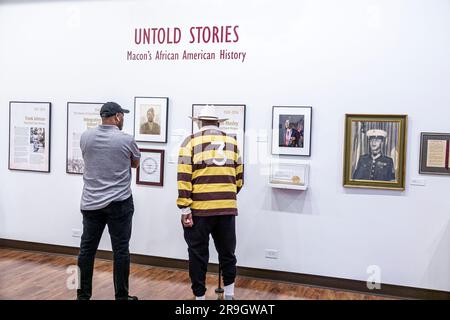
{"points": [[220, 146]]}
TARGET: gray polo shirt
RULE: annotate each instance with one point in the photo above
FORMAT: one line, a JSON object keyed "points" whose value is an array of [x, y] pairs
{"points": [[107, 154]]}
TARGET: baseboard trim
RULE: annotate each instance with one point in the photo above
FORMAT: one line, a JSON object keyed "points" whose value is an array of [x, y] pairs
{"points": [[304, 279]]}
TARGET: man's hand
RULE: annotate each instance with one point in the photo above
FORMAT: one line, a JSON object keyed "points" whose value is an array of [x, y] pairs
{"points": [[186, 220], [135, 163]]}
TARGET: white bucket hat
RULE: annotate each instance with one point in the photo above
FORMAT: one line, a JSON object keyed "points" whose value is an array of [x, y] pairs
{"points": [[376, 133], [208, 112]]}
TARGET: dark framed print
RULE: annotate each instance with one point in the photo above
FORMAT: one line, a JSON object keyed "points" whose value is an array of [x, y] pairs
{"points": [[81, 116], [434, 153], [234, 126], [29, 136], [151, 169], [374, 151], [291, 130], [151, 116]]}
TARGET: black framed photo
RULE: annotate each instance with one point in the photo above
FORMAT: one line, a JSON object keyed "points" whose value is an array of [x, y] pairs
{"points": [[375, 151], [234, 126], [29, 136], [151, 169], [434, 153], [291, 130], [151, 117], [81, 116]]}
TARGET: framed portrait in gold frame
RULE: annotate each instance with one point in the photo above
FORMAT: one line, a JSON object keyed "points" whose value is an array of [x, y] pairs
{"points": [[375, 151]]}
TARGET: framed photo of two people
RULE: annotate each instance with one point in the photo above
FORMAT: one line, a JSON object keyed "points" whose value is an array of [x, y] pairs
{"points": [[291, 130], [375, 147]]}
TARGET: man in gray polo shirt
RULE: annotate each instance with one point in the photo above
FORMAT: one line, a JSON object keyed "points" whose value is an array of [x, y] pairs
{"points": [[108, 154]]}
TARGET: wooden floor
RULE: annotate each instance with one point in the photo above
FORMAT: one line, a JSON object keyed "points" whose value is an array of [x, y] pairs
{"points": [[41, 276]]}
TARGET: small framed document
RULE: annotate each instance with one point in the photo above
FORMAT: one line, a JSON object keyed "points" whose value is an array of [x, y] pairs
{"points": [[289, 176], [434, 153], [151, 168]]}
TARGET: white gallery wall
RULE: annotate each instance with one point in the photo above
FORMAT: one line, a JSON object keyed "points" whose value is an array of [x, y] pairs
{"points": [[352, 56]]}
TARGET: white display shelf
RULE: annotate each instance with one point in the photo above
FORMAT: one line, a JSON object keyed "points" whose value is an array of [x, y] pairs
{"points": [[294, 176], [288, 186]]}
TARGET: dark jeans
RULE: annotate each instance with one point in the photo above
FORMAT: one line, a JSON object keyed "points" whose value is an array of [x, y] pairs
{"points": [[223, 232], [117, 216]]}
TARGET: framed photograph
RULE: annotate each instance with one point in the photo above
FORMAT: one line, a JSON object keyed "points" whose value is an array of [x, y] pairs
{"points": [[151, 168], [29, 136], [81, 116], [375, 148], [234, 126], [434, 153], [151, 116], [291, 130]]}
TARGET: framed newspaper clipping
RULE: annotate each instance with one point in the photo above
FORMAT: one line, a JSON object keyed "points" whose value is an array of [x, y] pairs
{"points": [[29, 136], [81, 116], [234, 126]]}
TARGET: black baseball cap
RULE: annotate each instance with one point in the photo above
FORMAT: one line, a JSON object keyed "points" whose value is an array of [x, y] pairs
{"points": [[110, 109]]}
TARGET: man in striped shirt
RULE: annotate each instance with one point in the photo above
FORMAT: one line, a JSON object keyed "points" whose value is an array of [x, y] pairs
{"points": [[210, 174]]}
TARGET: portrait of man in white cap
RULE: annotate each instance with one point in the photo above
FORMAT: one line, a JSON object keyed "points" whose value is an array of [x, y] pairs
{"points": [[375, 165]]}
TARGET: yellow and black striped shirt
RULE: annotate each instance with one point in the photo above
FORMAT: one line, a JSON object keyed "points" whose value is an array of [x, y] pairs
{"points": [[210, 173]]}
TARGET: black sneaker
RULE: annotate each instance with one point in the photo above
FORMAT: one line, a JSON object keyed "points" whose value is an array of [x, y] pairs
{"points": [[128, 298]]}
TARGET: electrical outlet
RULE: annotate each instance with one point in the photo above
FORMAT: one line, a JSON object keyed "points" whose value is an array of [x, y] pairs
{"points": [[76, 233], [271, 254]]}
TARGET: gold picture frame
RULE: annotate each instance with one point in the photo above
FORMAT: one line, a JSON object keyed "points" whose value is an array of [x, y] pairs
{"points": [[375, 151]]}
